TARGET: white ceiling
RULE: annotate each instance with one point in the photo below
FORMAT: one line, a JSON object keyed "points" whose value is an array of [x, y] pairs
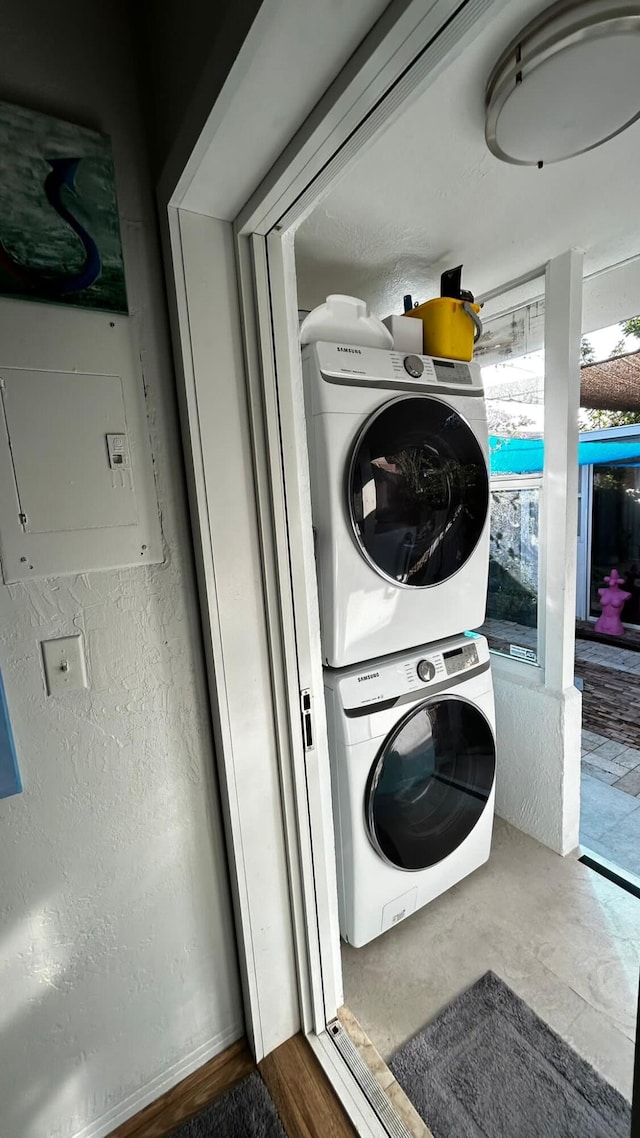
{"points": [[428, 194]]}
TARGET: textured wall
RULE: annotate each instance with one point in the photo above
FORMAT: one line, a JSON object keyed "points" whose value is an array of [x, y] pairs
{"points": [[117, 957], [538, 744]]}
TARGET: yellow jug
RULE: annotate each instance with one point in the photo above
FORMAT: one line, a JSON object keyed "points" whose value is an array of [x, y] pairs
{"points": [[450, 323]]}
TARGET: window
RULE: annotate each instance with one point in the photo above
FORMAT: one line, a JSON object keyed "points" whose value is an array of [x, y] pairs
{"points": [[615, 539], [512, 358], [512, 597]]}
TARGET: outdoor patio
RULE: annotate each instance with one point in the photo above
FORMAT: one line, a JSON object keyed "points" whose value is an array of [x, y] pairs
{"points": [[610, 800], [609, 677]]}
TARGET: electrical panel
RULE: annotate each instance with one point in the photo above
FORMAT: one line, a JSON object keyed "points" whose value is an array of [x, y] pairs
{"points": [[77, 491]]}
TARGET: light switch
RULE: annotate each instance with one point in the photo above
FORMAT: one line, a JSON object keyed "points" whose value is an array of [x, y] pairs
{"points": [[64, 664], [118, 448]]}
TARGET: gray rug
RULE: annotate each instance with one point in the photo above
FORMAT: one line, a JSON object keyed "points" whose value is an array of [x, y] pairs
{"points": [[247, 1111], [488, 1067]]}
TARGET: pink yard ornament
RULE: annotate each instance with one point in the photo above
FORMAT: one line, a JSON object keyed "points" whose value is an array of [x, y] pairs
{"points": [[612, 601]]}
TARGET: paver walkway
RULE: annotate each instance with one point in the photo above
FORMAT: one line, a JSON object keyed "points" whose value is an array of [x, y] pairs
{"points": [[611, 702], [611, 762], [610, 788]]}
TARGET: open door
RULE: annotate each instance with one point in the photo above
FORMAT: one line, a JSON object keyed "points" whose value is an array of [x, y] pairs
{"points": [[244, 421]]}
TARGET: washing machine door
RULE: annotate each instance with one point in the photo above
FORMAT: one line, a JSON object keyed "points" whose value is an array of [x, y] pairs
{"points": [[430, 783], [418, 491]]}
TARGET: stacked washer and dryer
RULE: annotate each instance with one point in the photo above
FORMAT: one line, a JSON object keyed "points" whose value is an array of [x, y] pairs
{"points": [[400, 495]]}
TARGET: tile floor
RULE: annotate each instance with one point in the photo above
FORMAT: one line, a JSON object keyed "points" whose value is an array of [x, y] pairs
{"points": [[611, 762], [563, 937]]}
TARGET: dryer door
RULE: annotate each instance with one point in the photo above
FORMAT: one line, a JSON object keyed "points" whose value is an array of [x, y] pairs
{"points": [[418, 491], [430, 783]]}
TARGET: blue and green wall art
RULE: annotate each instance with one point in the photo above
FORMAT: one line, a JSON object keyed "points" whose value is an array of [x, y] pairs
{"points": [[59, 227]]}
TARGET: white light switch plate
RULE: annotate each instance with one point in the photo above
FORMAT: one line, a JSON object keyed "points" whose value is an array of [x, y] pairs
{"points": [[64, 664]]}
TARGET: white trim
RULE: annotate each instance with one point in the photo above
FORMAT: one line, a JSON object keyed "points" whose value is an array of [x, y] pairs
{"points": [[526, 675], [220, 467], [287, 683], [559, 516], [282, 283], [609, 294], [403, 54], [221, 79], [513, 286], [132, 1104], [529, 481]]}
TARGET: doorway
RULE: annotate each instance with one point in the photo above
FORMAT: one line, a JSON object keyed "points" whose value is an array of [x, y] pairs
{"points": [[282, 570]]}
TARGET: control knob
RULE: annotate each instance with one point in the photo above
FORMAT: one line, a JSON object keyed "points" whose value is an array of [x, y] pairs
{"points": [[426, 670], [414, 366]]}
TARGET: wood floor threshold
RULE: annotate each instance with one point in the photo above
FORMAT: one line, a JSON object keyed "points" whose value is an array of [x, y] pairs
{"points": [[198, 1090], [399, 1101], [302, 1093]]}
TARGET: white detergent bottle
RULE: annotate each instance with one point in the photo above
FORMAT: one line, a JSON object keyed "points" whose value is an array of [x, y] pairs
{"points": [[345, 320]]}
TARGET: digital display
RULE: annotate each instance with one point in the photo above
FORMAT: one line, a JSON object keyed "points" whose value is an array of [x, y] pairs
{"points": [[444, 363], [453, 652]]}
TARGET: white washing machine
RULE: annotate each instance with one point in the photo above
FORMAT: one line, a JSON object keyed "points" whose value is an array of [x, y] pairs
{"points": [[398, 455], [412, 745]]}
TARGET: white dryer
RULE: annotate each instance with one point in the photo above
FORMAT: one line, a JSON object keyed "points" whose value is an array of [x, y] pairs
{"points": [[398, 456], [412, 746]]}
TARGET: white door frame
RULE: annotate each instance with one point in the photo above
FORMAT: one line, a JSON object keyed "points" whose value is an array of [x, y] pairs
{"points": [[583, 568], [243, 424]]}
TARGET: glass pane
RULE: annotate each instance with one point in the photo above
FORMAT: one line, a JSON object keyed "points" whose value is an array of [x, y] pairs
{"points": [[431, 783], [512, 597], [615, 540], [512, 358], [418, 491]]}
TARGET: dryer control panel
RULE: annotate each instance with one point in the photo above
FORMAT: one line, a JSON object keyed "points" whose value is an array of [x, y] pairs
{"points": [[459, 659]]}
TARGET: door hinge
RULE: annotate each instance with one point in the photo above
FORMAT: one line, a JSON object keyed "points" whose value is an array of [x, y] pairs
{"points": [[307, 720]]}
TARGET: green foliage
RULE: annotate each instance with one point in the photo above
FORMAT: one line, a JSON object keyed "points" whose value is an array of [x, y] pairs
{"points": [[592, 419], [631, 327], [619, 348], [587, 352]]}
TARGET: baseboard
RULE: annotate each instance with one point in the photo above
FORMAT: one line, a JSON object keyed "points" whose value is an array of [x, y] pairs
{"points": [[101, 1127]]}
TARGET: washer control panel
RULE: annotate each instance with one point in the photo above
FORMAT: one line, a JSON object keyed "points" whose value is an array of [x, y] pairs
{"points": [[459, 659], [410, 675], [426, 670], [414, 366]]}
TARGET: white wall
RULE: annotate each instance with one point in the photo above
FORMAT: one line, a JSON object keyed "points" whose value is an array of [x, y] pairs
{"points": [[538, 755], [117, 954]]}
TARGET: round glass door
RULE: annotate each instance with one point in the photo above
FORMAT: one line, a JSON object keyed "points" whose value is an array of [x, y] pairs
{"points": [[418, 491], [430, 783]]}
